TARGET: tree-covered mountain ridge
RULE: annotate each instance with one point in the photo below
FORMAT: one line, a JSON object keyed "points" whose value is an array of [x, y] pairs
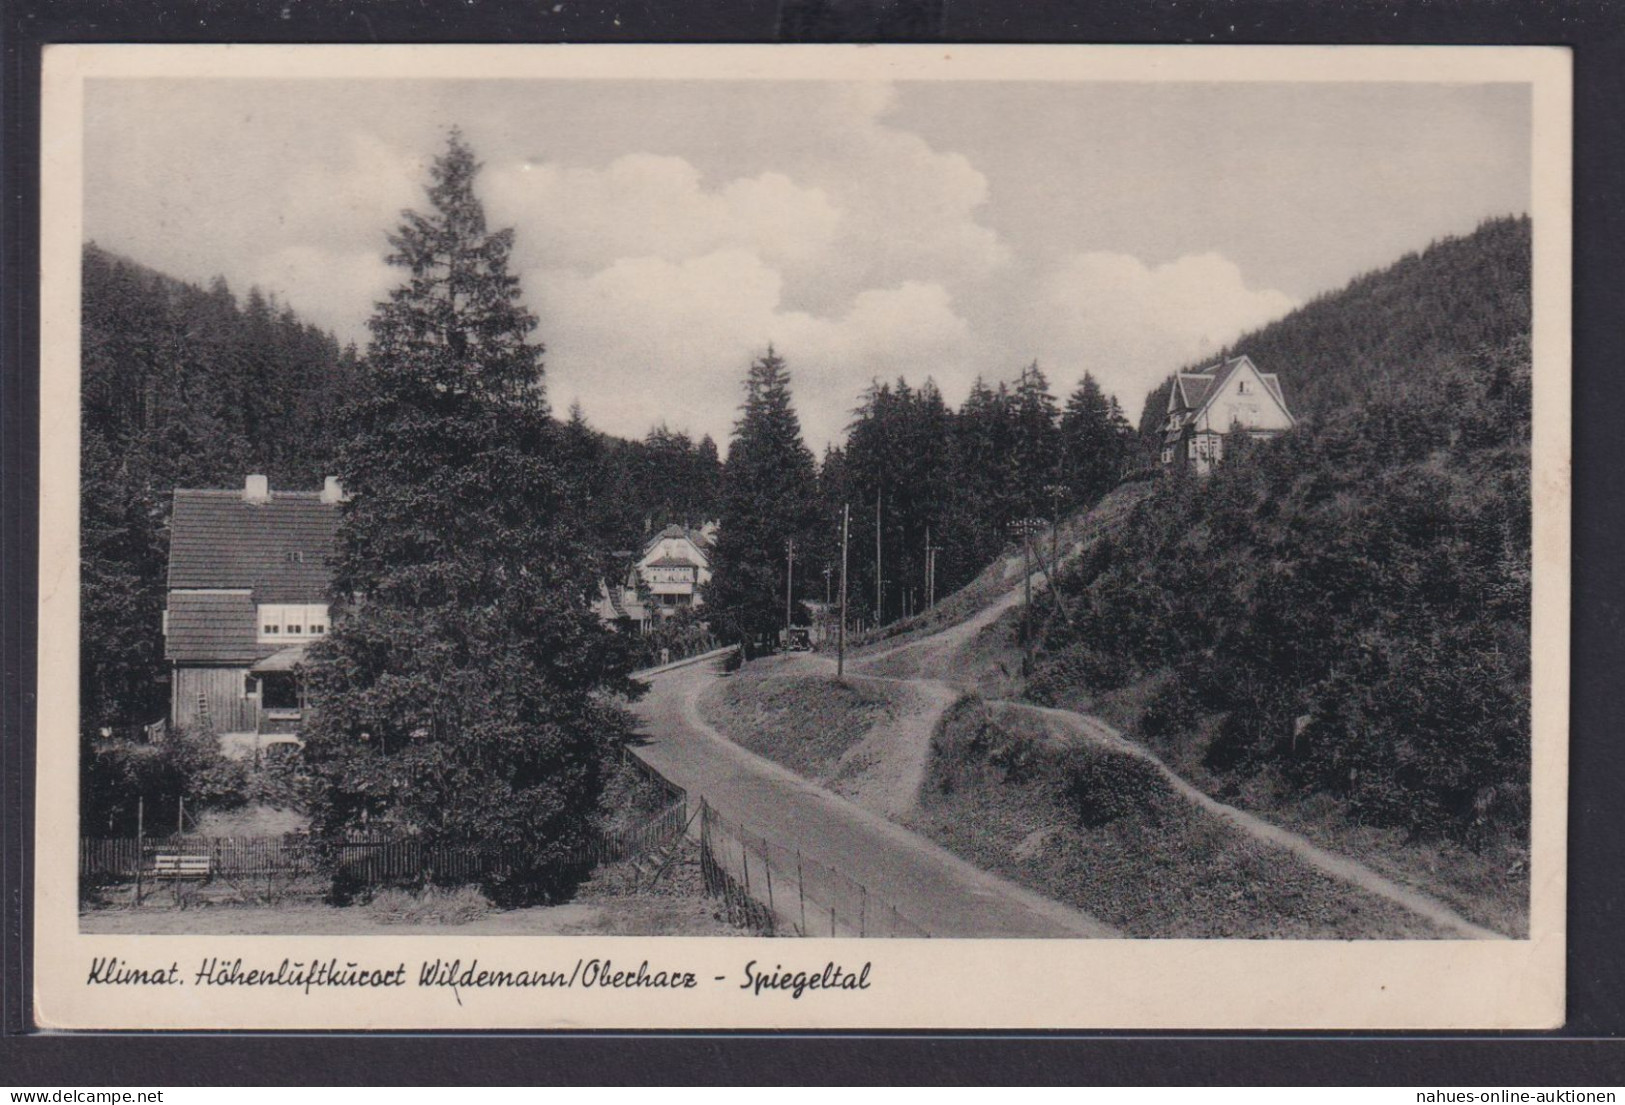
{"points": [[187, 385], [1460, 294], [1343, 611]]}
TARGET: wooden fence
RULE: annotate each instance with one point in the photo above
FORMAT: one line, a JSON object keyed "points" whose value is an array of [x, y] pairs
{"points": [[376, 861], [773, 889], [673, 792]]}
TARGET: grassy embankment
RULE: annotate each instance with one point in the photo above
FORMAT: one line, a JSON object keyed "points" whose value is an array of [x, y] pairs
{"points": [[1488, 885], [1097, 830], [1102, 830], [806, 722]]}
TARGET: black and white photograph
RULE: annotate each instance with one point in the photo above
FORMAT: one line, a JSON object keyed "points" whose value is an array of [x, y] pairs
{"points": [[823, 499]]}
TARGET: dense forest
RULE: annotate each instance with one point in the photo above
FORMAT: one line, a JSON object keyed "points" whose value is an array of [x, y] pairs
{"points": [[181, 386], [185, 386], [1345, 610], [930, 476]]}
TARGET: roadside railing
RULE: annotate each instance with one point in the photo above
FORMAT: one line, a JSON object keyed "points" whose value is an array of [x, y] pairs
{"points": [[775, 889], [673, 792]]}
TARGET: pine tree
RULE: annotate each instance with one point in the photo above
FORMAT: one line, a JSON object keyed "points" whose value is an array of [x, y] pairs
{"points": [[1037, 440], [1093, 435], [458, 697], [769, 497]]}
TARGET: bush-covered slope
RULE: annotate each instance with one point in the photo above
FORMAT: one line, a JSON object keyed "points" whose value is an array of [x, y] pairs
{"points": [[1345, 610]]}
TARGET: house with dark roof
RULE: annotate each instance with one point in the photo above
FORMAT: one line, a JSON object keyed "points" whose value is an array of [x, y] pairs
{"points": [[249, 572], [1209, 405], [675, 563]]}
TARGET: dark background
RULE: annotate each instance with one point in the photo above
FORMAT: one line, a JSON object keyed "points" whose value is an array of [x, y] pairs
{"points": [[1586, 1051]]}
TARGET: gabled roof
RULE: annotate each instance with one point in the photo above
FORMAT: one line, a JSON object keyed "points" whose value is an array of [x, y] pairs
{"points": [[214, 628], [1192, 388], [695, 537], [281, 550], [673, 562], [1192, 391]]}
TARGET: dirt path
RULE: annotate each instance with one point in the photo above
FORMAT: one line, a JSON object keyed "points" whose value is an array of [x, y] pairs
{"points": [[933, 662], [1339, 867], [935, 656], [891, 761]]}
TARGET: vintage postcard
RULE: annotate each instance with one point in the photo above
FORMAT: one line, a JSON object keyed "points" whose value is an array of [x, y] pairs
{"points": [[803, 537]]}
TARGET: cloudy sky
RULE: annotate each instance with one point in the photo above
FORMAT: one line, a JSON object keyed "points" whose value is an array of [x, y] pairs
{"points": [[667, 231]]}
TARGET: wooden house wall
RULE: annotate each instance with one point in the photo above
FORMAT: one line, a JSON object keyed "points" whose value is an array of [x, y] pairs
{"points": [[230, 711]]}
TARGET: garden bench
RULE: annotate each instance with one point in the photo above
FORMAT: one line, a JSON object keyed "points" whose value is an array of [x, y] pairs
{"points": [[172, 865]]}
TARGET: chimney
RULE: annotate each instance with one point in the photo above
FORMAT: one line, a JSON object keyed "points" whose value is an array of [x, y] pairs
{"points": [[332, 491], [256, 489]]}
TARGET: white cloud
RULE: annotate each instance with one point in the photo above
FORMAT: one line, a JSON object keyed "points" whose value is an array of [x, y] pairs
{"points": [[848, 258], [323, 285], [647, 205], [911, 210], [648, 340], [355, 201], [659, 266], [1131, 324]]}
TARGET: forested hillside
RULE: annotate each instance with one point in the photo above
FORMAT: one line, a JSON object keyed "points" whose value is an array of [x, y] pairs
{"points": [[1439, 305], [629, 489], [956, 479], [185, 386], [1345, 610], [182, 386]]}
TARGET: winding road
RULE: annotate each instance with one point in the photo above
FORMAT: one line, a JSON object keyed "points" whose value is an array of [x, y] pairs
{"points": [[934, 888]]}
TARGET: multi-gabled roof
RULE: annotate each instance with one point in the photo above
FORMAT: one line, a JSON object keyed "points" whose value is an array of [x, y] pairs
{"points": [[698, 538], [281, 550], [1194, 391]]}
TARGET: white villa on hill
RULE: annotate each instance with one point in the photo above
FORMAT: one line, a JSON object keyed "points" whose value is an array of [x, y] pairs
{"points": [[1206, 406]]}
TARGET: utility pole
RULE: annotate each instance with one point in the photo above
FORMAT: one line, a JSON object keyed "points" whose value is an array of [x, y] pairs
{"points": [[1025, 526], [931, 552], [880, 597], [789, 590], [840, 649], [1056, 492]]}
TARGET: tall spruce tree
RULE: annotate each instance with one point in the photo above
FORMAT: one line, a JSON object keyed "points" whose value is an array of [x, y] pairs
{"points": [[458, 697], [1094, 438], [1036, 444], [769, 497]]}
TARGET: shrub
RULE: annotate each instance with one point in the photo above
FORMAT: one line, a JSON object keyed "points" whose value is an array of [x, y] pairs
{"points": [[122, 781], [1100, 786], [1173, 710], [1075, 666], [1018, 755]]}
